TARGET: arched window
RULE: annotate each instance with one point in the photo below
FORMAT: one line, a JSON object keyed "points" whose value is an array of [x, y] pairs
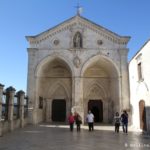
{"points": [[77, 40]]}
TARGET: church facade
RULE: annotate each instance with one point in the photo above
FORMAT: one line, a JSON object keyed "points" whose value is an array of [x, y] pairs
{"points": [[76, 66]]}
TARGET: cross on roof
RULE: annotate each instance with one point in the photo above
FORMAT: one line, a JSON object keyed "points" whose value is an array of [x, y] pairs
{"points": [[79, 9]]}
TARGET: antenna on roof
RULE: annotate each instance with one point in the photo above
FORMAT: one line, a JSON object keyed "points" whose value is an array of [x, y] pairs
{"points": [[79, 9]]}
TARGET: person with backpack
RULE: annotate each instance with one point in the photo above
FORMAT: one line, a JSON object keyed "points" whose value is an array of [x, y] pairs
{"points": [[78, 121], [117, 122], [124, 120]]}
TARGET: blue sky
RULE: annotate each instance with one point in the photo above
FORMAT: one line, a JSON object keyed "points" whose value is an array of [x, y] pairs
{"points": [[19, 18]]}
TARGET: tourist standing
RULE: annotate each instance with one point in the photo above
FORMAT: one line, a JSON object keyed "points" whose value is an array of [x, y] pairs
{"points": [[124, 120], [78, 121], [90, 120], [117, 122], [71, 121]]}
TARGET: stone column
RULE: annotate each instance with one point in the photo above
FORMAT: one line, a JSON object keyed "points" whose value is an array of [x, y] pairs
{"points": [[1, 95], [31, 85], [21, 95], [48, 110], [10, 91], [124, 79], [77, 104]]}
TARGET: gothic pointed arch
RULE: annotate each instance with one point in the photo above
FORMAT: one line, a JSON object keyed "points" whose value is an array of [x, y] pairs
{"points": [[58, 86], [101, 77], [94, 88], [77, 40], [104, 61], [49, 59]]}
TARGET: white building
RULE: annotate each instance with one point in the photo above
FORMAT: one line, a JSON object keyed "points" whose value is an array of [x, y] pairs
{"points": [[139, 70], [77, 65]]}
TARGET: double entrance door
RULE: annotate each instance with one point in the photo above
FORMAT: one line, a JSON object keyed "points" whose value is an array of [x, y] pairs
{"points": [[96, 107], [59, 110]]}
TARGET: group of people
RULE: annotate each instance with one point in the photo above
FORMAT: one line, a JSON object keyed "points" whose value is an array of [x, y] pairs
{"points": [[118, 120], [76, 118], [121, 120]]}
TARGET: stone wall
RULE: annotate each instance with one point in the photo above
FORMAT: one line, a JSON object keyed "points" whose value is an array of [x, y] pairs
{"points": [[13, 109], [139, 71]]}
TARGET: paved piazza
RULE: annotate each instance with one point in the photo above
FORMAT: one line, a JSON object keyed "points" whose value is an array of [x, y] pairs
{"points": [[58, 137]]}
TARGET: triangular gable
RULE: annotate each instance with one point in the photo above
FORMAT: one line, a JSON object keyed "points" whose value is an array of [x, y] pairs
{"points": [[85, 22]]}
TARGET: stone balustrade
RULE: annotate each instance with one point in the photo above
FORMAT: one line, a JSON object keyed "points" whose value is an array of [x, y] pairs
{"points": [[13, 109]]}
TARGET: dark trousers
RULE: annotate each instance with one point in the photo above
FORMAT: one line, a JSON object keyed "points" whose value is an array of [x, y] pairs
{"points": [[91, 126], [71, 126], [117, 125], [78, 127], [125, 127]]}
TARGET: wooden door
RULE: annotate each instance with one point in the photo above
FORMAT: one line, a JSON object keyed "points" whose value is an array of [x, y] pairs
{"points": [[142, 112]]}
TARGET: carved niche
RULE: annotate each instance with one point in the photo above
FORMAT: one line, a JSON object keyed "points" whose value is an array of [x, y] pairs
{"points": [[77, 40]]}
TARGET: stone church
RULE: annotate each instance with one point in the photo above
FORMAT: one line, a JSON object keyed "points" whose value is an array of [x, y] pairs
{"points": [[76, 66]]}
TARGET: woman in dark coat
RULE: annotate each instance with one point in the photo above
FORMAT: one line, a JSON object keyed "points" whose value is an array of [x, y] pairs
{"points": [[78, 121]]}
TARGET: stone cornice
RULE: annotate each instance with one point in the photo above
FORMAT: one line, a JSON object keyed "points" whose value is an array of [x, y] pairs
{"points": [[72, 49], [1, 85], [20, 92], [68, 24], [32, 50], [10, 89]]}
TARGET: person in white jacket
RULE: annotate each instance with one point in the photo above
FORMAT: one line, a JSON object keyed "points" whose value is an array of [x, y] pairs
{"points": [[90, 120]]}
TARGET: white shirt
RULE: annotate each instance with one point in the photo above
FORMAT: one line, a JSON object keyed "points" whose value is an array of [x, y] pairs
{"points": [[90, 118]]}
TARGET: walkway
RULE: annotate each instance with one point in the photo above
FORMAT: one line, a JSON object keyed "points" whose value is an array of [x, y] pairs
{"points": [[56, 137]]}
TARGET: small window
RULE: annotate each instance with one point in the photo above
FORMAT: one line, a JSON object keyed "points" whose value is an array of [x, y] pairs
{"points": [[139, 67]]}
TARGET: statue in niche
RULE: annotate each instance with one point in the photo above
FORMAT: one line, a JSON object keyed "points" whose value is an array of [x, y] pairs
{"points": [[77, 40]]}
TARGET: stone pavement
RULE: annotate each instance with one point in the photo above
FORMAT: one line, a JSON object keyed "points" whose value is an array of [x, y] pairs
{"points": [[58, 137]]}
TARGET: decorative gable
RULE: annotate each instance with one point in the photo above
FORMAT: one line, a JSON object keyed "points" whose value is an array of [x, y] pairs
{"points": [[76, 32]]}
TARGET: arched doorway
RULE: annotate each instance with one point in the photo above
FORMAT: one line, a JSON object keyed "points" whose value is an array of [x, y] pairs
{"points": [[55, 85], [142, 113], [59, 110], [96, 107], [101, 82]]}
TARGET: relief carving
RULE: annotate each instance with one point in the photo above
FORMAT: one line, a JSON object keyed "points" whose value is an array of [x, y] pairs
{"points": [[77, 61]]}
